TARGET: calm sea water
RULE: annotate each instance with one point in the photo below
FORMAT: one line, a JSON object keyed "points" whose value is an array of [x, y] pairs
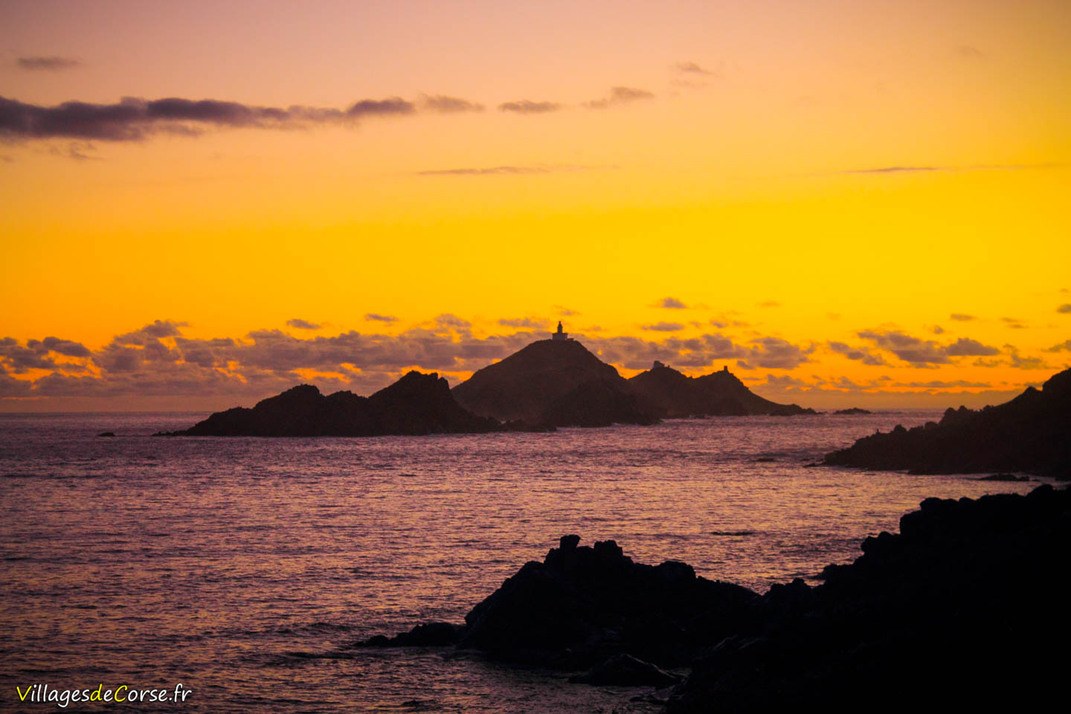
{"points": [[244, 567]]}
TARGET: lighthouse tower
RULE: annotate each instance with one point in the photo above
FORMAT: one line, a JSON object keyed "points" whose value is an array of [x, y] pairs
{"points": [[559, 335]]}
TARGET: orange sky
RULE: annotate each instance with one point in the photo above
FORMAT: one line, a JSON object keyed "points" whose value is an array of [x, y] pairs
{"points": [[846, 202]]}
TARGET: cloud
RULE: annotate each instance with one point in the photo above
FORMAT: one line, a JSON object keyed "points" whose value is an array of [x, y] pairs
{"points": [[672, 303], [133, 119], [158, 359], [692, 68], [448, 105], [526, 106], [914, 169], [376, 317], [769, 303], [51, 63], [966, 347], [859, 354], [619, 96], [300, 324], [502, 170], [1062, 347], [925, 352], [774, 353], [528, 322], [1065, 309], [664, 327], [960, 317], [1014, 323]]}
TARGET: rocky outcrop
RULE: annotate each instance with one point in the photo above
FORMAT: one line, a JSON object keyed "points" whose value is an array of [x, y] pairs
{"points": [[553, 383], [853, 411], [961, 609], [1031, 433], [965, 607], [674, 395], [415, 404]]}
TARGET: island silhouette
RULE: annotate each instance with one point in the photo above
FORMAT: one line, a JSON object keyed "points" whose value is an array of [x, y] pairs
{"points": [[550, 383]]}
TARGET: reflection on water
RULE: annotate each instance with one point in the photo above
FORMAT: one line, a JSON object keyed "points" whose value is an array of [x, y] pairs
{"points": [[231, 564]]}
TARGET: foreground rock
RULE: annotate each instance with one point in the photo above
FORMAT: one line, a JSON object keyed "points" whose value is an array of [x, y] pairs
{"points": [[582, 605], [966, 607], [415, 404], [1031, 433], [960, 610], [673, 395], [553, 383]]}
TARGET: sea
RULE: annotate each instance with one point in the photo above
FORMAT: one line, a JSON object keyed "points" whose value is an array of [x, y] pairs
{"points": [[246, 568]]}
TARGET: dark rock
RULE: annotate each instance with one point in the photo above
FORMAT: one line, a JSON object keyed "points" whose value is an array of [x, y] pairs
{"points": [[585, 603], [626, 671], [1010, 478], [675, 395], [415, 404], [853, 411], [553, 383], [959, 610], [430, 634], [1031, 433], [106, 433]]}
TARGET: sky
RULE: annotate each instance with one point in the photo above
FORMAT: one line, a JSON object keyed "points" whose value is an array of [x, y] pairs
{"points": [[848, 203]]}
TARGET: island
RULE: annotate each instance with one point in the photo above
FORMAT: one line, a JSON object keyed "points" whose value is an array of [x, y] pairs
{"points": [[1029, 434]]}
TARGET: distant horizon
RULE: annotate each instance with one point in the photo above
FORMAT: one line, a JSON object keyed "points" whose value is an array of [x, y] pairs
{"points": [[850, 204]]}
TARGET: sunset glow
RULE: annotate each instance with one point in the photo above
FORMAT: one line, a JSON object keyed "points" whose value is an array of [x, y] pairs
{"points": [[847, 203]]}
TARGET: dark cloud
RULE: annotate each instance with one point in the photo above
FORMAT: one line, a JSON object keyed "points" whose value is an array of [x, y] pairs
{"points": [[672, 303], [448, 105], [774, 353], [859, 354], [526, 106], [52, 63], [1062, 347], [619, 96], [965, 347], [1014, 323], [376, 317], [1064, 309], [938, 330], [380, 107], [664, 327], [133, 119], [925, 352], [158, 360], [908, 169], [300, 324], [960, 317]]}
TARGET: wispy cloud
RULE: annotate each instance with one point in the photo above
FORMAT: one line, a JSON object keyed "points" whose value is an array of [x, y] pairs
{"points": [[526, 106], [620, 96], [671, 303], [664, 327], [444, 104], [505, 170], [50, 63], [691, 68], [922, 352], [376, 317], [299, 324], [133, 119], [915, 169]]}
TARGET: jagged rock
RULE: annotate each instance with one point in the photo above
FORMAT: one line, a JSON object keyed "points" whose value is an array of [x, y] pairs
{"points": [[1031, 433], [429, 634], [626, 671], [959, 610], [415, 404], [553, 383], [674, 395], [853, 411], [107, 434]]}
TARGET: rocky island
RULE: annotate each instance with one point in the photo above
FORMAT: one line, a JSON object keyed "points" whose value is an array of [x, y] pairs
{"points": [[962, 608], [548, 384], [415, 404], [1031, 433]]}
